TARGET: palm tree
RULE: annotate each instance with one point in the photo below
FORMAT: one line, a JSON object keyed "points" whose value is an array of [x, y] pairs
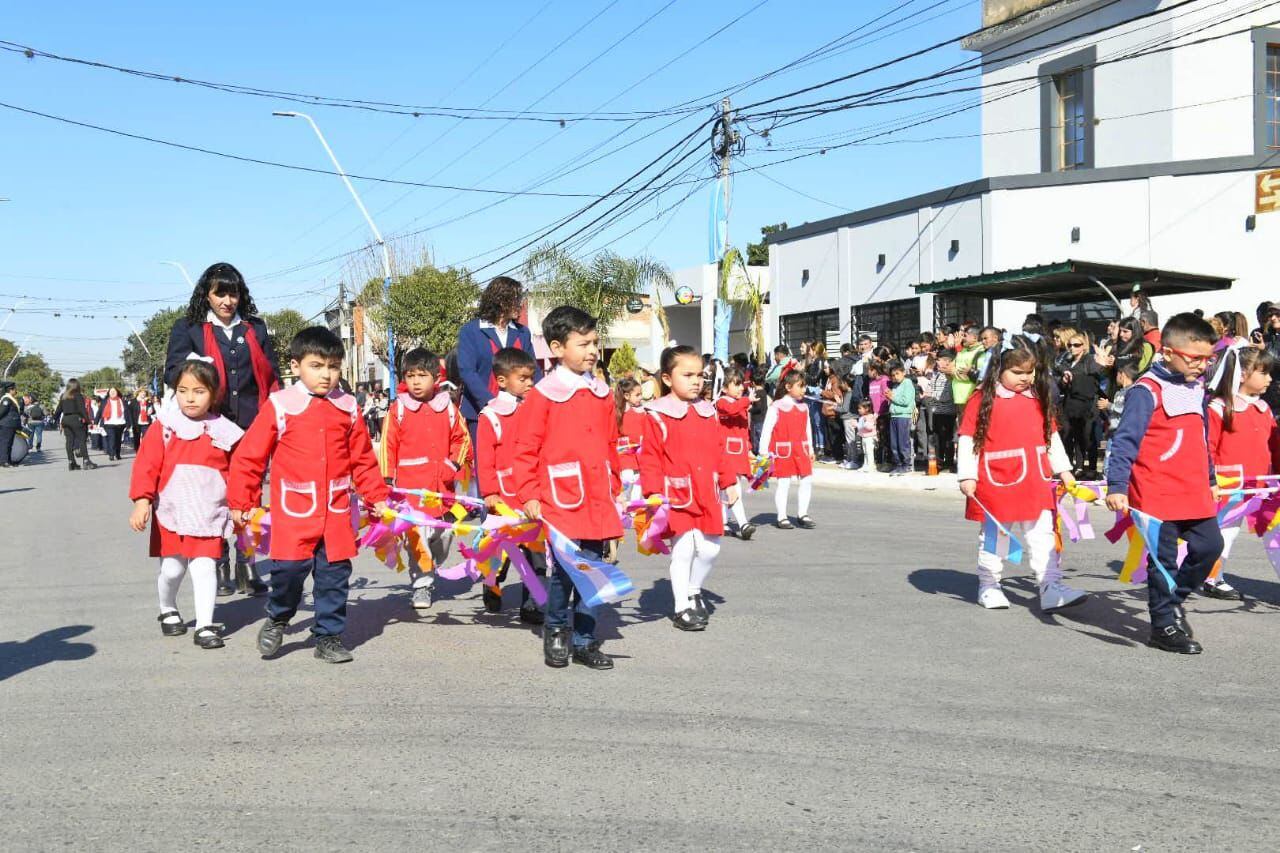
{"points": [[601, 286], [749, 294]]}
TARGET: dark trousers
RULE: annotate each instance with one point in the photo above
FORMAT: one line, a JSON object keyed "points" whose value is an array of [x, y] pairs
{"points": [[114, 435], [1078, 441], [77, 436], [943, 436], [563, 598], [1204, 547], [900, 442], [6, 444], [329, 587]]}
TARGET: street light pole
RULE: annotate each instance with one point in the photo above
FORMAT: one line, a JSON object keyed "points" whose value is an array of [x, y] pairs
{"points": [[186, 275], [13, 360], [377, 236]]}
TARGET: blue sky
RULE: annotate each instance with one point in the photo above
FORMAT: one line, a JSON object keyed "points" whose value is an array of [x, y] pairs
{"points": [[92, 215]]}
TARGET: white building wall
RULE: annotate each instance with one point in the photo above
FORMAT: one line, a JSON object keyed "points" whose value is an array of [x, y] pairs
{"points": [[792, 292]]}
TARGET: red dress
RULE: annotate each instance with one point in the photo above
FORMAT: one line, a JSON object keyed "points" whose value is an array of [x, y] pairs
{"points": [[1170, 476], [566, 455], [1244, 451], [426, 445], [736, 420], [788, 439], [683, 459], [181, 467], [496, 446], [630, 437], [1014, 474], [319, 449]]}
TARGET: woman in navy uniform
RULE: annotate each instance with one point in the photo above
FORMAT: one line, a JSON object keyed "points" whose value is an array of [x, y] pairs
{"points": [[222, 323]]}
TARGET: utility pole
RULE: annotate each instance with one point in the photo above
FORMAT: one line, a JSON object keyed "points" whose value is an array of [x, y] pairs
{"points": [[725, 141]]}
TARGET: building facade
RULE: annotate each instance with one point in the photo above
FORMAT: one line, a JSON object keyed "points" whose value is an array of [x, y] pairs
{"points": [[1133, 137]]}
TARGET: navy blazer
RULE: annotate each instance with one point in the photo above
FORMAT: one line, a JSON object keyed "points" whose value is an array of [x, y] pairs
{"points": [[240, 397], [476, 347]]}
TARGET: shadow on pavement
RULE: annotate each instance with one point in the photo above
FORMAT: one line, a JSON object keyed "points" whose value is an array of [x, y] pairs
{"points": [[22, 489], [19, 656], [962, 586]]}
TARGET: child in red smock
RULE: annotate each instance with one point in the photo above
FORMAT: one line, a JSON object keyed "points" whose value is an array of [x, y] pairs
{"points": [[789, 438], [1241, 427], [628, 398], [1009, 453], [734, 410], [181, 473], [427, 445], [683, 460], [319, 450]]}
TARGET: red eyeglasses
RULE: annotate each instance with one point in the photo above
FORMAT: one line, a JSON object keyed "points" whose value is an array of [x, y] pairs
{"points": [[1189, 358]]}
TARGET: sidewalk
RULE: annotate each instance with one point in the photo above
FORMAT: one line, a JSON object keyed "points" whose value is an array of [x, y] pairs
{"points": [[833, 475]]}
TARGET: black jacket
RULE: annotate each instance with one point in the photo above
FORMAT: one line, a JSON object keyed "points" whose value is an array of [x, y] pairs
{"points": [[240, 397], [71, 412], [10, 413]]}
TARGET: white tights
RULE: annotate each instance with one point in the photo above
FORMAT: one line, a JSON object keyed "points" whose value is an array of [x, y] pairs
{"points": [[204, 585], [802, 496], [692, 556], [738, 510], [1041, 554]]}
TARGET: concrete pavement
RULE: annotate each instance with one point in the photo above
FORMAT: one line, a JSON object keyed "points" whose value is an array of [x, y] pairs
{"points": [[849, 694]]}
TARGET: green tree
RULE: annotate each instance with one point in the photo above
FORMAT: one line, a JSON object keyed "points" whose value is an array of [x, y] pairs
{"points": [[624, 361], [103, 377], [426, 308], [30, 372], [758, 253], [282, 325], [138, 363], [601, 286]]}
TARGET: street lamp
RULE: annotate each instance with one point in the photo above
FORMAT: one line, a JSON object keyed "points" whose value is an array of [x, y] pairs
{"points": [[377, 236], [186, 275]]}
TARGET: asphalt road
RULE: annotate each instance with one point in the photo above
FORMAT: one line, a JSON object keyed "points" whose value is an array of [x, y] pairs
{"points": [[849, 694]]}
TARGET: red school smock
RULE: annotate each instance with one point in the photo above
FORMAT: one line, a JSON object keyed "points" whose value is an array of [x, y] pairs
{"points": [[735, 418], [630, 437], [1244, 451], [683, 459], [181, 467], [496, 447], [1170, 475], [786, 434], [566, 455], [426, 446], [1014, 473], [319, 449]]}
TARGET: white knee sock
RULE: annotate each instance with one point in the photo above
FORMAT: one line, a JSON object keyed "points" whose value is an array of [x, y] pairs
{"points": [[172, 571], [204, 586], [803, 494], [737, 507], [703, 561], [780, 497], [683, 551]]}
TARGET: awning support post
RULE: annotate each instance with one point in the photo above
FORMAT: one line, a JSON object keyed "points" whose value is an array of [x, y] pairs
{"points": [[1107, 291]]}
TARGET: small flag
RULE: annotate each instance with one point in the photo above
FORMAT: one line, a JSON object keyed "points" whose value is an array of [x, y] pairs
{"points": [[597, 582], [996, 538], [1148, 528]]}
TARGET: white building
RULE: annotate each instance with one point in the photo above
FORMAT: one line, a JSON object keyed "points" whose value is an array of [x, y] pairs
{"points": [[692, 321], [1100, 168]]}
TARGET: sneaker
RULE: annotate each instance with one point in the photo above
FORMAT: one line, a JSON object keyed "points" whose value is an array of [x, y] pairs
{"points": [[746, 532], [270, 636], [1222, 591], [1171, 638], [329, 649], [687, 620], [421, 598], [531, 614], [993, 598], [591, 657], [555, 647], [1057, 595]]}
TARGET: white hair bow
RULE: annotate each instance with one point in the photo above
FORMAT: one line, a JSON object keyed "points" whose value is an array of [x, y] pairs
{"points": [[197, 357], [1220, 368]]}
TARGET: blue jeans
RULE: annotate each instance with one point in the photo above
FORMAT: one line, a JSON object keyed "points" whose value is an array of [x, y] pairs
{"points": [[329, 587], [815, 422], [37, 434], [1204, 547], [563, 598], [900, 443]]}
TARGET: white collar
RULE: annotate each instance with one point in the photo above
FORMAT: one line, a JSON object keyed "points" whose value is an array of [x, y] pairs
{"points": [[503, 404], [673, 407], [485, 324], [786, 403], [1005, 393], [438, 402], [223, 432], [226, 327], [562, 383]]}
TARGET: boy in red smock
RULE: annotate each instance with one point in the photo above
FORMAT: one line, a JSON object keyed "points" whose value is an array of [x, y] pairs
{"points": [[1160, 464], [318, 447], [427, 445], [495, 449], [734, 411], [566, 471]]}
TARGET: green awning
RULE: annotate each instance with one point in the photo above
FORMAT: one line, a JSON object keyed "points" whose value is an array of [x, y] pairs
{"points": [[1070, 282]]}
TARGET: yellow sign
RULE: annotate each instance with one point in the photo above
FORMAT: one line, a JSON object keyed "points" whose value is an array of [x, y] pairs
{"points": [[1267, 191]]}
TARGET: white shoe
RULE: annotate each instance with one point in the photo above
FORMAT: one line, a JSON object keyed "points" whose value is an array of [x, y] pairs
{"points": [[1058, 595], [993, 598]]}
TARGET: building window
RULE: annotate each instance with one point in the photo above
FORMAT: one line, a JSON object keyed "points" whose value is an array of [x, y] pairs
{"points": [[958, 309], [1266, 89], [896, 322], [813, 326], [1092, 317], [1066, 112], [1272, 96]]}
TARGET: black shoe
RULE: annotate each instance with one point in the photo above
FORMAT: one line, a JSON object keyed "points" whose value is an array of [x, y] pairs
{"points": [[530, 613], [807, 523], [225, 586], [90, 466], [700, 608], [590, 656], [1213, 590], [746, 532], [784, 524], [687, 620], [555, 646], [492, 600], [1171, 638], [208, 638], [71, 466], [329, 649], [270, 636], [1180, 621], [172, 629], [242, 578]]}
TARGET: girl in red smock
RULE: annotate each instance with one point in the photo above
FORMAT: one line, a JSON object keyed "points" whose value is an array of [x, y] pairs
{"points": [[683, 459], [1241, 428], [789, 438], [734, 409], [181, 473], [1009, 453], [628, 398]]}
